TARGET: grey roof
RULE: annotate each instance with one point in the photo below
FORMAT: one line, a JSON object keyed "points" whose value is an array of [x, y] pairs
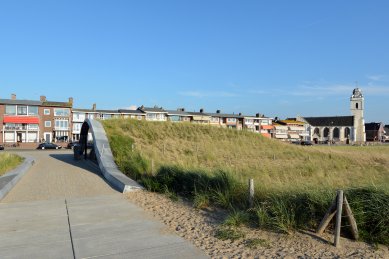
{"points": [[198, 113], [331, 121], [150, 109], [57, 104], [22, 102], [226, 115], [175, 112], [373, 126], [84, 110], [131, 111], [108, 111]]}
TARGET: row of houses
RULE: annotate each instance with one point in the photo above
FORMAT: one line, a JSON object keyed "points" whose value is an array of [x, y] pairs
{"points": [[258, 123], [32, 121]]}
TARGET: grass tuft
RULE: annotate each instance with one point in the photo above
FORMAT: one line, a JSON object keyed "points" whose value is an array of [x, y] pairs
{"points": [[8, 162]]}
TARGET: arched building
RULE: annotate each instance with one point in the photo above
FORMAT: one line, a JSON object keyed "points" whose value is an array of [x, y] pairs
{"points": [[344, 129]]}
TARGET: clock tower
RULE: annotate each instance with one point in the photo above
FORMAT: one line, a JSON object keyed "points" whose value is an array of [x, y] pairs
{"points": [[357, 106]]}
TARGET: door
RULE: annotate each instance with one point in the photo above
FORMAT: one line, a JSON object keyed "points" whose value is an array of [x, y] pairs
{"points": [[19, 137], [48, 137]]}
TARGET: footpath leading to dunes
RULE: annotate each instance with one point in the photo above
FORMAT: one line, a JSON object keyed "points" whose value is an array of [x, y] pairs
{"points": [[63, 208]]}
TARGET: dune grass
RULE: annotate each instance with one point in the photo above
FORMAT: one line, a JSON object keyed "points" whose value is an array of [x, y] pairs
{"points": [[8, 162], [294, 184]]}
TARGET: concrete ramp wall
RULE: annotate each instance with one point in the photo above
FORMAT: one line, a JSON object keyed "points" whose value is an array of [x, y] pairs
{"points": [[105, 158]]}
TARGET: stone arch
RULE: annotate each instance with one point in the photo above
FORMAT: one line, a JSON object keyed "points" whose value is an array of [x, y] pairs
{"points": [[347, 132], [336, 133], [316, 132], [326, 132]]}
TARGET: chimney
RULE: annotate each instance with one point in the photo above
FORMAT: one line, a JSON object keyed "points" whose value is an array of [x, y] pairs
{"points": [[43, 98], [257, 115], [218, 111], [240, 114], [201, 110], [94, 107], [71, 101], [13, 96]]}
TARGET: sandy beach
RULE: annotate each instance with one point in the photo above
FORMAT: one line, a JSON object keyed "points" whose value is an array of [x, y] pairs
{"points": [[200, 227]]}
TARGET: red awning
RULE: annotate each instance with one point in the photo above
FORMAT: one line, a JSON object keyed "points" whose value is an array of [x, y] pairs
{"points": [[267, 135], [267, 127], [21, 119]]}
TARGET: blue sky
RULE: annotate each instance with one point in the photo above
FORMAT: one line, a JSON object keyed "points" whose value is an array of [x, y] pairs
{"points": [[279, 58]]}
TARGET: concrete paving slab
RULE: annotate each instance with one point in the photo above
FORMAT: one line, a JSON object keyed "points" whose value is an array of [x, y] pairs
{"points": [[54, 214], [48, 250]]}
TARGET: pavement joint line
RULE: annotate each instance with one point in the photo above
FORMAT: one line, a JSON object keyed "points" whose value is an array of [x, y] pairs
{"points": [[70, 230]]}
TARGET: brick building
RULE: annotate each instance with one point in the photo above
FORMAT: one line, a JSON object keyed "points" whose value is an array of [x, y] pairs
{"points": [[30, 121]]}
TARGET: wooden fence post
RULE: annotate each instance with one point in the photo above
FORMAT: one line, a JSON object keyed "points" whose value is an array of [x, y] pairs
{"points": [[251, 193], [327, 218], [338, 223], [351, 219]]}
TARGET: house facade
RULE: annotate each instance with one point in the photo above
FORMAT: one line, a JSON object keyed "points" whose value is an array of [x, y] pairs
{"points": [[154, 114], [29, 121], [375, 131]]}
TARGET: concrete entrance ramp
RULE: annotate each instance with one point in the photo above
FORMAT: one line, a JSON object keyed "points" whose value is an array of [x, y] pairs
{"points": [[104, 156], [63, 208], [95, 227]]}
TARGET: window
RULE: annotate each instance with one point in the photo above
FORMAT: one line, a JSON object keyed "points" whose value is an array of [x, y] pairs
{"points": [[356, 106], [77, 126], [10, 109], [214, 119], [61, 112], [47, 124], [151, 116], [174, 118], [61, 124], [231, 120], [139, 117], [32, 110], [22, 110], [46, 111], [33, 126]]}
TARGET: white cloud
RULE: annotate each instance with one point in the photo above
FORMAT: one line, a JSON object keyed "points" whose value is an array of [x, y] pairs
{"points": [[375, 77]]}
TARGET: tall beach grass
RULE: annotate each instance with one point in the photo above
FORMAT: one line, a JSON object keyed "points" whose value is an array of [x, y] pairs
{"points": [[294, 185]]}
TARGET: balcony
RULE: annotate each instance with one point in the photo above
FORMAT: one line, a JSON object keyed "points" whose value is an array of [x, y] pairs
{"points": [[61, 128]]}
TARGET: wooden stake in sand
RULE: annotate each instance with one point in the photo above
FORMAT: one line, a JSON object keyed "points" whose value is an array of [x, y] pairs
{"points": [[251, 193], [336, 209]]}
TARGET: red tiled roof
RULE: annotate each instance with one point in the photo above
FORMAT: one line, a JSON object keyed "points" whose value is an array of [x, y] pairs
{"points": [[21, 119]]}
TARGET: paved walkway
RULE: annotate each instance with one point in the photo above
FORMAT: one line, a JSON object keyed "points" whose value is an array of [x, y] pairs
{"points": [[62, 208]]}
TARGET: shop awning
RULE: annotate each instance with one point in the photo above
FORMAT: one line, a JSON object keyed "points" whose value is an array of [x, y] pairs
{"points": [[268, 127], [21, 119]]}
